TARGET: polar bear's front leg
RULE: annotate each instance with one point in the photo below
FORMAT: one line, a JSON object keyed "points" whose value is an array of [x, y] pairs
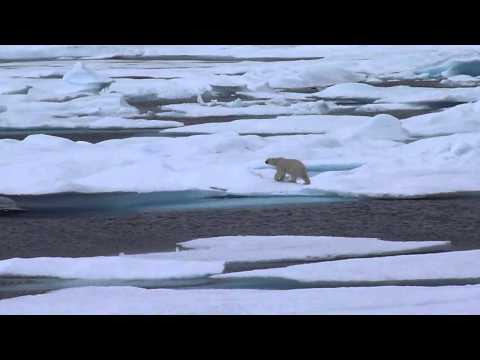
{"points": [[280, 175]]}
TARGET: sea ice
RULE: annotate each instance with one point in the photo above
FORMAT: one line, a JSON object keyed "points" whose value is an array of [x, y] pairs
{"points": [[441, 165], [456, 265], [453, 66], [462, 118], [123, 300], [290, 248], [86, 78], [245, 108], [398, 94], [108, 267], [382, 126]]}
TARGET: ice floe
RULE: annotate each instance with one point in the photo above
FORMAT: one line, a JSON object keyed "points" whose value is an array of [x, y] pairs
{"points": [[399, 94], [108, 267], [301, 74], [452, 266], [42, 164], [160, 82], [360, 300], [239, 107], [425, 167], [453, 66], [458, 119], [155, 90], [85, 78], [208, 256], [439, 165], [382, 126], [232, 249], [88, 122], [77, 112], [461, 80]]}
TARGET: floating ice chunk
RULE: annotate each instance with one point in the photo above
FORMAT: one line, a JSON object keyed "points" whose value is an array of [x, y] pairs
{"points": [[28, 113], [237, 103], [352, 90], [108, 267], [86, 122], [452, 67], [384, 127], [442, 165], [110, 122], [122, 300], [239, 107], [82, 76], [157, 89], [290, 248], [398, 94], [301, 74], [461, 80], [381, 126], [458, 119], [314, 107], [377, 108], [457, 265]]}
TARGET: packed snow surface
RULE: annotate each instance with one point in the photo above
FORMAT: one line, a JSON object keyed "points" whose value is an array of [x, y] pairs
{"points": [[207, 256], [42, 164], [108, 267], [458, 119], [361, 300], [283, 248], [383, 126], [439, 266], [399, 94]]}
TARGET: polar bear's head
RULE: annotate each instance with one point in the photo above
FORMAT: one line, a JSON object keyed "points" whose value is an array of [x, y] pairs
{"points": [[272, 161]]}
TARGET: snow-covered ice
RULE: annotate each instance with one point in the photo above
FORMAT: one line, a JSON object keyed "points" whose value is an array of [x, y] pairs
{"points": [[77, 101], [438, 165], [376, 59], [399, 94], [453, 66], [87, 122], [288, 248], [304, 74], [92, 87], [361, 300], [246, 108], [458, 119], [385, 127], [461, 80], [108, 267], [65, 78], [425, 167], [42, 164], [208, 256], [84, 77], [455, 265]]}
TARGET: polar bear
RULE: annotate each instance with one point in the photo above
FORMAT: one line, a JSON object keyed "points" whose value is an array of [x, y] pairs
{"points": [[292, 167]]}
